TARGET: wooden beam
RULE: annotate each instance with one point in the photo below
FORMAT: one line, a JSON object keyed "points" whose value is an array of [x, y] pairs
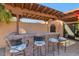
{"points": [[40, 18], [72, 22], [37, 17], [22, 5], [12, 4], [28, 15], [54, 11], [57, 13], [33, 16], [49, 25], [22, 11], [49, 11], [69, 16], [44, 9], [17, 24], [31, 6], [38, 7]]}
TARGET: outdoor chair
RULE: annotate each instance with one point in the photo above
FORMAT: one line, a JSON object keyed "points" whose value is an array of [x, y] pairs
{"points": [[39, 42], [17, 47], [53, 39], [62, 39]]}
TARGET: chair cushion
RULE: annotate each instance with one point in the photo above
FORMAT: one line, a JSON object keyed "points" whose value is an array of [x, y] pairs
{"points": [[62, 39], [53, 40], [16, 42], [15, 49], [38, 38], [39, 43]]}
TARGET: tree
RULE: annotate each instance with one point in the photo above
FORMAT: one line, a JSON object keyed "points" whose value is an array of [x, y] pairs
{"points": [[5, 15]]}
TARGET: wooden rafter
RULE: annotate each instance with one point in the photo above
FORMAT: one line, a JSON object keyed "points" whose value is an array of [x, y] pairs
{"points": [[69, 16], [38, 7], [37, 17], [31, 6], [33, 16], [13, 5], [53, 13], [49, 11], [44, 9], [22, 6]]}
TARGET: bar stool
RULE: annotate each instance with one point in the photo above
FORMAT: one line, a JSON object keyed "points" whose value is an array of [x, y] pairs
{"points": [[53, 41], [17, 47], [62, 39], [39, 42]]}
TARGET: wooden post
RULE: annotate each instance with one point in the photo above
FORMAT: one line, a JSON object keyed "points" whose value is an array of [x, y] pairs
{"points": [[49, 25], [17, 24], [46, 26]]}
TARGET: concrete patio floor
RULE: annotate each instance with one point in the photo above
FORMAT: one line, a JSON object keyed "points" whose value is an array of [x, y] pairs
{"points": [[72, 50]]}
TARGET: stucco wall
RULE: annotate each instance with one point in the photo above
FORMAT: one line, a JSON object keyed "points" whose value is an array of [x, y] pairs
{"points": [[58, 25], [29, 27]]}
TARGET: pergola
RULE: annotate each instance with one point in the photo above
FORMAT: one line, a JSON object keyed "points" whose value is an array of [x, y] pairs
{"points": [[72, 16], [33, 11]]}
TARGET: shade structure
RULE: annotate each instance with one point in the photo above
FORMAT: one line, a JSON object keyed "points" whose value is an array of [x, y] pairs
{"points": [[33, 11], [37, 11], [40, 12]]}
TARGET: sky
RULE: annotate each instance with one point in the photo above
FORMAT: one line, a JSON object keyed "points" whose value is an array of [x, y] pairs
{"points": [[63, 7]]}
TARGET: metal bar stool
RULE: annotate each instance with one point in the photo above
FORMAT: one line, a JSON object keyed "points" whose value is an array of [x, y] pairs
{"points": [[39, 42], [17, 47], [53, 41], [62, 39]]}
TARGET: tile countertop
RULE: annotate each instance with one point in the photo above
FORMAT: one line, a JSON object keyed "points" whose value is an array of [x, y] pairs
{"points": [[25, 35]]}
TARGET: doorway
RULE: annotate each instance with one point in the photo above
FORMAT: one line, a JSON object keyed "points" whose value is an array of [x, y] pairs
{"points": [[52, 28]]}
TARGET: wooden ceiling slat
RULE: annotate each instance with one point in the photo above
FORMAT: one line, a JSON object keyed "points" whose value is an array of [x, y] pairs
{"points": [[37, 17], [53, 13], [38, 7], [44, 9], [31, 6], [49, 11], [26, 5], [33, 16], [37, 13], [34, 6], [58, 13], [22, 5], [13, 5], [40, 18], [28, 15], [70, 19], [69, 16]]}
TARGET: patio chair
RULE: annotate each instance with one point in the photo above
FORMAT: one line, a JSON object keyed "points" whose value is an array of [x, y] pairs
{"points": [[54, 40], [39, 42], [58, 40], [17, 47], [62, 39]]}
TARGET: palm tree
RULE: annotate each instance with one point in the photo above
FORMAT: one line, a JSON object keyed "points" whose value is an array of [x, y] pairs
{"points": [[5, 15]]}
